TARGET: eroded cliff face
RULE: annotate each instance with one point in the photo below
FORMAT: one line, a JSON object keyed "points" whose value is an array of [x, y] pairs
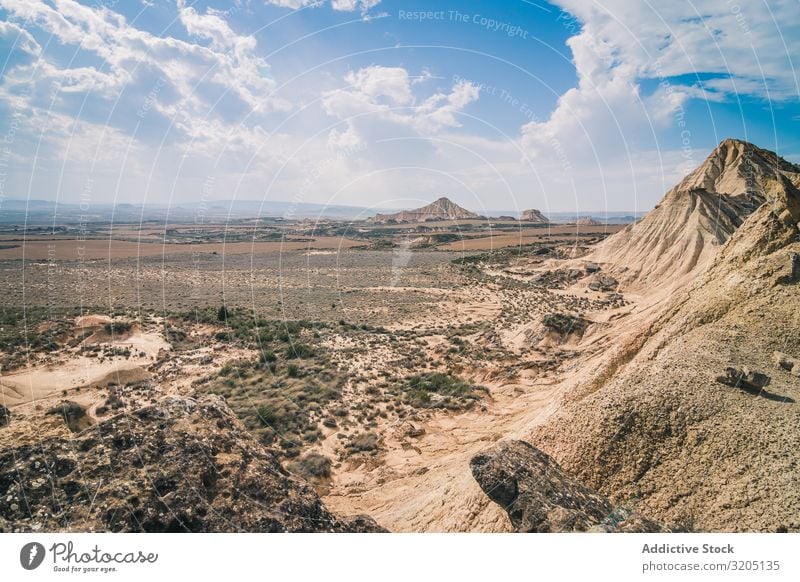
{"points": [[182, 464], [679, 239], [652, 421]]}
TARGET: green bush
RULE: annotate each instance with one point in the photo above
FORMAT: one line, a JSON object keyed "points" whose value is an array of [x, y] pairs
{"points": [[312, 466], [452, 391], [363, 443], [268, 357], [299, 351], [564, 323], [117, 327], [223, 314]]}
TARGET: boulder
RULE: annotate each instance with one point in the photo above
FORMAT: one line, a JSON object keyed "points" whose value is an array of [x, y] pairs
{"points": [[786, 362], [540, 497], [744, 378], [602, 282]]}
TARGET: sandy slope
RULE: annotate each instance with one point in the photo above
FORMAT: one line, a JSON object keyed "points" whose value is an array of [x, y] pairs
{"points": [[653, 427]]}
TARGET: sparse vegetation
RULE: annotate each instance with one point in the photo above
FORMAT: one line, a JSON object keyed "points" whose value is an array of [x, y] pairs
{"points": [[117, 327], [367, 442], [438, 390], [286, 409], [313, 467]]}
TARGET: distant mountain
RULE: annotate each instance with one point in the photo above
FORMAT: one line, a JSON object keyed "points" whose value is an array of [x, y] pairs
{"points": [[533, 215], [48, 212], [441, 209], [51, 213]]}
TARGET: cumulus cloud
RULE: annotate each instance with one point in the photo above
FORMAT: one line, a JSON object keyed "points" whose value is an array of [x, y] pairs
{"points": [[384, 95], [16, 36], [713, 50], [375, 82], [197, 74], [716, 51], [202, 93]]}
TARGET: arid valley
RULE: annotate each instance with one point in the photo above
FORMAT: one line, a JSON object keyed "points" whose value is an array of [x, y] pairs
{"points": [[333, 375]]}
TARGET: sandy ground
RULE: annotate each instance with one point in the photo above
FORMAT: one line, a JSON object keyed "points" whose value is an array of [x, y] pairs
{"points": [[424, 483], [72, 371], [416, 483]]}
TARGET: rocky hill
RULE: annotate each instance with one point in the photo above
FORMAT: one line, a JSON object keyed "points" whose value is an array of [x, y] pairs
{"points": [[694, 410], [540, 497], [180, 465], [441, 209], [533, 215], [681, 236]]}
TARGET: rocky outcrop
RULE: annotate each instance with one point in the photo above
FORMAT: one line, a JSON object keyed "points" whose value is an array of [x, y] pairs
{"points": [[588, 221], [533, 215], [441, 209], [740, 170], [540, 497], [182, 465]]}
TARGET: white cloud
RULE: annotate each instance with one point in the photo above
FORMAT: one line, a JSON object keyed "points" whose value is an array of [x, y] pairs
{"points": [[385, 130], [350, 5], [340, 5], [382, 98], [213, 27], [137, 100], [376, 82], [228, 66], [19, 37], [712, 50], [294, 4]]}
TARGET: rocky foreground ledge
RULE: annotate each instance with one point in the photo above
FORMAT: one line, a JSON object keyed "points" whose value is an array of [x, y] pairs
{"points": [[540, 497], [182, 464]]}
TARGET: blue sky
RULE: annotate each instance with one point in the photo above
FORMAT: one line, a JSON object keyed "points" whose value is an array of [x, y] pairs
{"points": [[570, 106]]}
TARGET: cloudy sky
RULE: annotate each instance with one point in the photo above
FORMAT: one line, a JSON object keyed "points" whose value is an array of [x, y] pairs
{"points": [[566, 106]]}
